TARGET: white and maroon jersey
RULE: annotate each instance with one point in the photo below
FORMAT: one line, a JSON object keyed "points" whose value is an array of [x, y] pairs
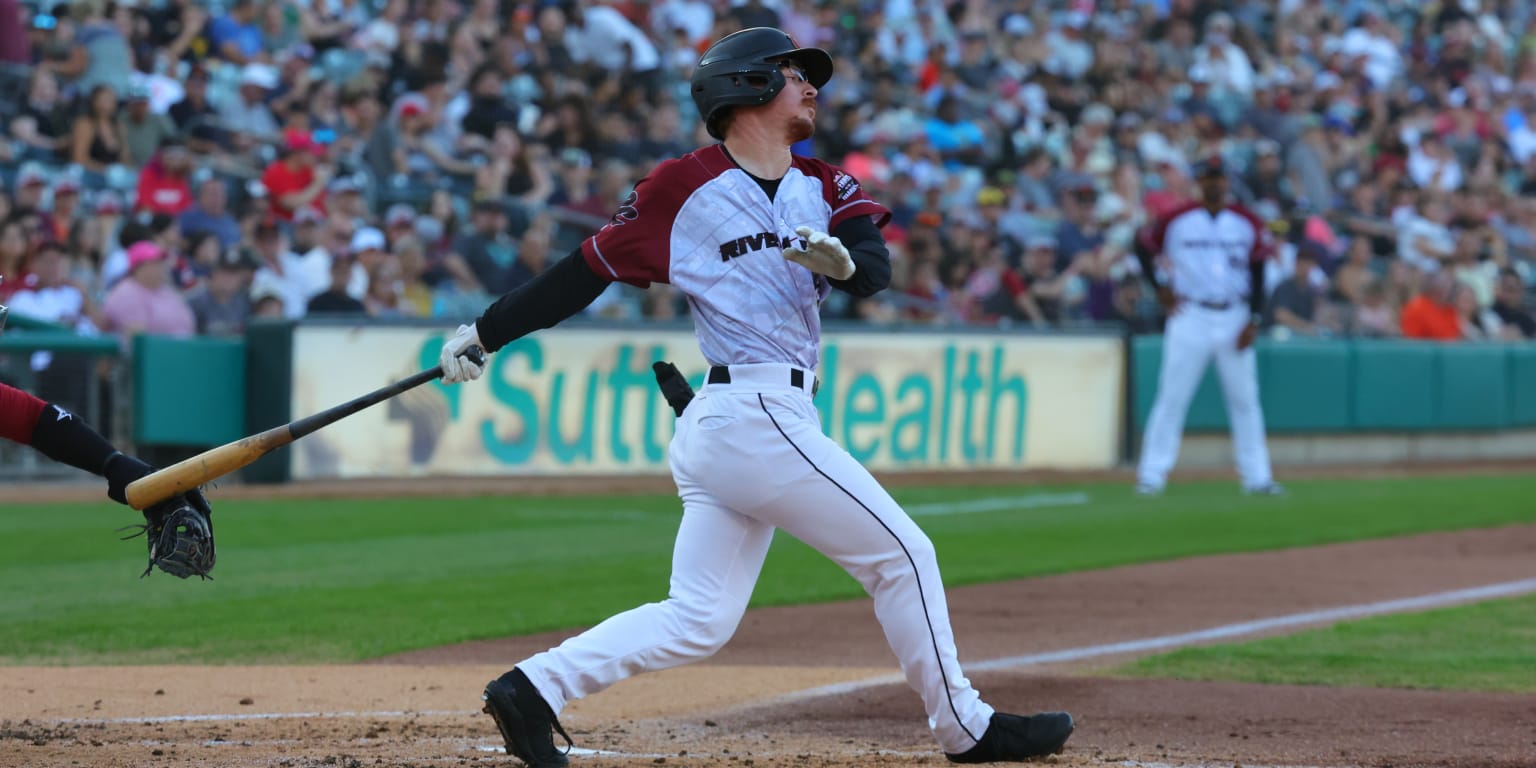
{"points": [[1210, 254], [704, 225]]}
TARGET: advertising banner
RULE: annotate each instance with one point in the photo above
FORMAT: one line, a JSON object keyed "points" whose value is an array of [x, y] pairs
{"points": [[584, 401]]}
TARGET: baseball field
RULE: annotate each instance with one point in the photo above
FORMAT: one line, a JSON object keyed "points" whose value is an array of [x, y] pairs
{"points": [[1363, 620]]}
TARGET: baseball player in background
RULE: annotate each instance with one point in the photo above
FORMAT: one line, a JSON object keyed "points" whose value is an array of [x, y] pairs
{"points": [[1214, 297], [755, 238]]}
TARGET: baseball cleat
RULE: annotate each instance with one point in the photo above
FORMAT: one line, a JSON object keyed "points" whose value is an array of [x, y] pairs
{"points": [[525, 720], [1269, 489], [1148, 489], [1013, 738]]}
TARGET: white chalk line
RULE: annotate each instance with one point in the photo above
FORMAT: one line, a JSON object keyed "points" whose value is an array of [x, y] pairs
{"points": [[997, 504], [226, 718], [1166, 642]]}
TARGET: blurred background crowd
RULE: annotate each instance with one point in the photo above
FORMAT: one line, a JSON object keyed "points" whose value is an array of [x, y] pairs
{"points": [[181, 167]]}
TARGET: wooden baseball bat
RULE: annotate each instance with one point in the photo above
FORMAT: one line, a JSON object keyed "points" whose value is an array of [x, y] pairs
{"points": [[214, 463]]}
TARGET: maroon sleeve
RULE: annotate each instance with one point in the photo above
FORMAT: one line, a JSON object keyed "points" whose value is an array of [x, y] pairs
{"points": [[844, 194], [1263, 239], [633, 247], [19, 412]]}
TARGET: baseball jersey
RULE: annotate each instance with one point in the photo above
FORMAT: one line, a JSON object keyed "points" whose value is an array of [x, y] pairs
{"points": [[1211, 255], [707, 227]]}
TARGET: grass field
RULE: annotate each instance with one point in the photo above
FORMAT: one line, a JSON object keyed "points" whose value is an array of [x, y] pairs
{"points": [[343, 580], [1487, 646]]}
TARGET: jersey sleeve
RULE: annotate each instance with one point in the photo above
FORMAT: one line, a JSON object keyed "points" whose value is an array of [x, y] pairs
{"points": [[634, 246], [19, 412], [1263, 238], [844, 195]]}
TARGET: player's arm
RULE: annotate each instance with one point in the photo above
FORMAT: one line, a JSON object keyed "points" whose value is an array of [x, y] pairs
{"points": [[1255, 290], [550, 297], [871, 259], [65, 438]]}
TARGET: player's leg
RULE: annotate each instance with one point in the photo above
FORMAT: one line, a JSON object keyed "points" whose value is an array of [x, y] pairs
{"points": [[817, 492], [715, 563], [1239, 374], [1186, 354]]}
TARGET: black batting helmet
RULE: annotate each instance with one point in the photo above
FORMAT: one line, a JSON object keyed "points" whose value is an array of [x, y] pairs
{"points": [[742, 69]]}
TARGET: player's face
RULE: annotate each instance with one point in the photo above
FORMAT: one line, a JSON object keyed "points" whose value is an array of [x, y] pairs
{"points": [[796, 103], [1213, 186]]}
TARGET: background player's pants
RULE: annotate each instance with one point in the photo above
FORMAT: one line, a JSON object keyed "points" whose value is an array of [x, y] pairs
{"points": [[1193, 336], [750, 457]]}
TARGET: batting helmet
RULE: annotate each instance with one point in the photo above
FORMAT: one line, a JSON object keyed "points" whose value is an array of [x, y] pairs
{"points": [[742, 69]]}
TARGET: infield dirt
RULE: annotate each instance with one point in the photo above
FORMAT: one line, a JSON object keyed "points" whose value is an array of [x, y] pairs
{"points": [[420, 708]]}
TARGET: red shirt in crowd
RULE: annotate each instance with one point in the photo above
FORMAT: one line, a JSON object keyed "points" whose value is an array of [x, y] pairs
{"points": [[280, 179], [1425, 319], [162, 192]]}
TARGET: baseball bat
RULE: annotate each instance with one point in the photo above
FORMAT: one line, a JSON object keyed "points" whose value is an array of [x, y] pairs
{"points": [[214, 463]]}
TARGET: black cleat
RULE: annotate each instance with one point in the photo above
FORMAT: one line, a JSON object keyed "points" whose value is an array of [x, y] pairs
{"points": [[525, 720], [1012, 738]]}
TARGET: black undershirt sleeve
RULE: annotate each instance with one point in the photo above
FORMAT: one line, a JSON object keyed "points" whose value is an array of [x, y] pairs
{"points": [[549, 298], [1255, 287], [1145, 257], [63, 437], [871, 260]]}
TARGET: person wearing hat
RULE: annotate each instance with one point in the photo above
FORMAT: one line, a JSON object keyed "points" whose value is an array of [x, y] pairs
{"points": [[165, 184], [248, 116], [336, 299], [1215, 252], [143, 131], [296, 179], [488, 248], [194, 114], [145, 301], [66, 206], [222, 305]]}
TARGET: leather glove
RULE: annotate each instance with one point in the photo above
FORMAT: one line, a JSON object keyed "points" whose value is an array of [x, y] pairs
{"points": [[823, 254], [456, 366]]}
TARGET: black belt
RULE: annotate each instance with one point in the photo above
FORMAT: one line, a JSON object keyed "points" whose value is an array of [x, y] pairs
{"points": [[721, 374], [1216, 305]]}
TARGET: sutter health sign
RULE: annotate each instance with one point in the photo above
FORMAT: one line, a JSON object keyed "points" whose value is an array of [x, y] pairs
{"points": [[586, 401]]}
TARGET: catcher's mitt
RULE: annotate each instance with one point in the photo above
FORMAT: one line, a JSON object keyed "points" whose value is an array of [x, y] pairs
{"points": [[180, 533]]}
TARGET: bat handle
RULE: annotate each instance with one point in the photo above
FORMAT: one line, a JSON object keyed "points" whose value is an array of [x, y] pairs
{"points": [[475, 354]]}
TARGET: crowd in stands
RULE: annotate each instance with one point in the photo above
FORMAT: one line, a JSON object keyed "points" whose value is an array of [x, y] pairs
{"points": [[181, 167]]}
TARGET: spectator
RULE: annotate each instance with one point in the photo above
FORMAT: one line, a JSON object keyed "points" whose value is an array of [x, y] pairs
{"points": [[1424, 240], [46, 293], [165, 182], [66, 204], [145, 301], [1509, 305], [210, 213], [222, 305], [96, 137], [142, 131], [1374, 316], [368, 249], [1293, 304], [488, 250], [335, 299], [43, 125], [194, 116], [236, 36], [99, 55], [1431, 314], [248, 117], [285, 274], [295, 180], [1477, 324]]}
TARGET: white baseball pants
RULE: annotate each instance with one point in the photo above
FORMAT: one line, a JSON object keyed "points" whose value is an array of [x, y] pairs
{"points": [[1193, 336], [749, 457]]}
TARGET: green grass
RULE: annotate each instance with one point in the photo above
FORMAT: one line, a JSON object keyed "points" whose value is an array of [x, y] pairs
{"points": [[336, 580], [1487, 646]]}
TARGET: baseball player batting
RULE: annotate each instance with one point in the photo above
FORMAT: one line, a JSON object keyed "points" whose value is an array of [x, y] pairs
{"points": [[755, 237], [1214, 299], [179, 529]]}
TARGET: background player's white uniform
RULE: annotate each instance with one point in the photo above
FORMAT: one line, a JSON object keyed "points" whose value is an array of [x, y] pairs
{"points": [[749, 455], [1210, 258]]}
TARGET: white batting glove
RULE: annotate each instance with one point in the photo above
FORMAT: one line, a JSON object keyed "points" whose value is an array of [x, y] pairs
{"points": [[457, 368], [824, 254]]}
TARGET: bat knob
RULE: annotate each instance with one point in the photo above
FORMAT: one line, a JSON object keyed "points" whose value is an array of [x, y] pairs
{"points": [[475, 355]]}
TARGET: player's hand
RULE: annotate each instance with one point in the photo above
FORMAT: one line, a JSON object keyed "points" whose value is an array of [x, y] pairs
{"points": [[456, 367], [1246, 337], [121, 470], [823, 254], [1167, 298]]}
